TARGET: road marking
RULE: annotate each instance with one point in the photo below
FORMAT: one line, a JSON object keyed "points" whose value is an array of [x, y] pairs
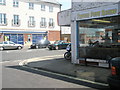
{"points": [[34, 59], [10, 61], [40, 59]]}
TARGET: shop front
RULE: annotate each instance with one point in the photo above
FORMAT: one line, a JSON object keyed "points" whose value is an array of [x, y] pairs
{"points": [[23, 37], [96, 32]]}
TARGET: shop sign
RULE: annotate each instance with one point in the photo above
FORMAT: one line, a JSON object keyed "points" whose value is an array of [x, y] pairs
{"points": [[101, 13], [95, 13]]}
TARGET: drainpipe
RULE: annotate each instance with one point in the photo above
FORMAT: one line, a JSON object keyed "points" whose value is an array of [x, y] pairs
{"points": [[60, 26]]}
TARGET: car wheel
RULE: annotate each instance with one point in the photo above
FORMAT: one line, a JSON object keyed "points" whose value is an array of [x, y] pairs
{"points": [[57, 48], [1, 48], [19, 47], [37, 47]]}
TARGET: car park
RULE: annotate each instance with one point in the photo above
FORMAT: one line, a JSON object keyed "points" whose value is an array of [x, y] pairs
{"points": [[114, 78], [40, 44], [60, 44], [10, 45]]}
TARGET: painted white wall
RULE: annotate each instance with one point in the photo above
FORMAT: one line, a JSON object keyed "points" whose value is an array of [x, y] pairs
{"points": [[24, 12], [64, 17], [65, 30]]}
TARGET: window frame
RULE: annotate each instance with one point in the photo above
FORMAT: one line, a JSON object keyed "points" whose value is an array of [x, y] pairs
{"points": [[3, 2], [50, 8], [31, 22], [51, 22], [31, 5], [43, 23], [16, 20], [43, 7], [3, 19], [15, 3]]}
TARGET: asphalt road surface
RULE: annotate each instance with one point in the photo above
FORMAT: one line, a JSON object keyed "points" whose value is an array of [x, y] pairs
{"points": [[15, 76], [10, 55]]}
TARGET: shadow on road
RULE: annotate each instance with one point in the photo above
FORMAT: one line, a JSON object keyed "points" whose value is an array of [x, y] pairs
{"points": [[64, 78]]}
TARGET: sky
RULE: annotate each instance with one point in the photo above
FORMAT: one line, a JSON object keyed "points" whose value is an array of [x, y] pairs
{"points": [[66, 4]]}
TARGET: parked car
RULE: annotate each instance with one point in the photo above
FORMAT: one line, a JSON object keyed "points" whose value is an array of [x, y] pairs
{"points": [[114, 78], [60, 44], [40, 44], [10, 45]]}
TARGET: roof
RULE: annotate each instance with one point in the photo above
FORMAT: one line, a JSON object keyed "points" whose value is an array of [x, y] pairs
{"points": [[39, 1]]}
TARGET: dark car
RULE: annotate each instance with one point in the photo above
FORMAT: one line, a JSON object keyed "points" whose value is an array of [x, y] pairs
{"points": [[114, 78], [40, 44], [61, 44]]}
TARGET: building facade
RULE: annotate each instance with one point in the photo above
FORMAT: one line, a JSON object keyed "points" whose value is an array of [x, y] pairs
{"points": [[97, 21], [26, 22]]}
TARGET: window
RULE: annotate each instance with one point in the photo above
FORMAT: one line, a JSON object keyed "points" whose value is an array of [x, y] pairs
{"points": [[11, 43], [31, 22], [3, 20], [51, 23], [31, 5], [42, 7], [43, 22], [5, 42], [15, 3], [50, 9], [15, 21], [2, 2]]}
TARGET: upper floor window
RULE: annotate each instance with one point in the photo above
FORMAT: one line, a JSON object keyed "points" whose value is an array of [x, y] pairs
{"points": [[15, 3], [3, 20], [31, 22], [16, 20], [50, 9], [42, 7], [43, 22], [2, 2], [31, 5], [51, 22]]}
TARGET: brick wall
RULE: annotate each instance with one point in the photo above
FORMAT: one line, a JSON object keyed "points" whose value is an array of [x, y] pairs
{"points": [[53, 35]]}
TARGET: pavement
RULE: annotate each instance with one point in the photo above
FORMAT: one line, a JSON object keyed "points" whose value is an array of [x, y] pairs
{"points": [[58, 64]]}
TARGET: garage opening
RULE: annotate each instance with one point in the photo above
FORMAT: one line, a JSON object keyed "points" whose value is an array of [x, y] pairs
{"points": [[99, 38]]}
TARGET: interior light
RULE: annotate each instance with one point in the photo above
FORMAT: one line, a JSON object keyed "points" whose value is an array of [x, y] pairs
{"points": [[103, 21]]}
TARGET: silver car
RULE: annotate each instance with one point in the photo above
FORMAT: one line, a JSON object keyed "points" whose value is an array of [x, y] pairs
{"points": [[10, 45]]}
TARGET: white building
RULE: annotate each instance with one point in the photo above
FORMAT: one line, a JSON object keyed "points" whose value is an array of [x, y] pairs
{"points": [[26, 21]]}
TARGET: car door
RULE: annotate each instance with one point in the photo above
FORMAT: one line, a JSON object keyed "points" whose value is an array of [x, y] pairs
{"points": [[12, 45], [6, 45], [64, 45]]}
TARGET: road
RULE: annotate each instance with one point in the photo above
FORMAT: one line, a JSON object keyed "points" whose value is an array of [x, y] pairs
{"points": [[10, 55], [15, 76]]}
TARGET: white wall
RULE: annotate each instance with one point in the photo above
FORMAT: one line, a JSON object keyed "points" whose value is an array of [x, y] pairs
{"points": [[24, 12], [64, 17]]}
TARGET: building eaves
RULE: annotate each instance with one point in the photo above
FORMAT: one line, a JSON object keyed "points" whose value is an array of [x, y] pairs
{"points": [[42, 1]]}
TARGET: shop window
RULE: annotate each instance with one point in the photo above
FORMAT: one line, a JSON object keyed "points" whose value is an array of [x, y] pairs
{"points": [[99, 38]]}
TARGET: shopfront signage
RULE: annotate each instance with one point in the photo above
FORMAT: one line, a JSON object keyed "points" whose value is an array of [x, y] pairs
{"points": [[97, 13]]}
